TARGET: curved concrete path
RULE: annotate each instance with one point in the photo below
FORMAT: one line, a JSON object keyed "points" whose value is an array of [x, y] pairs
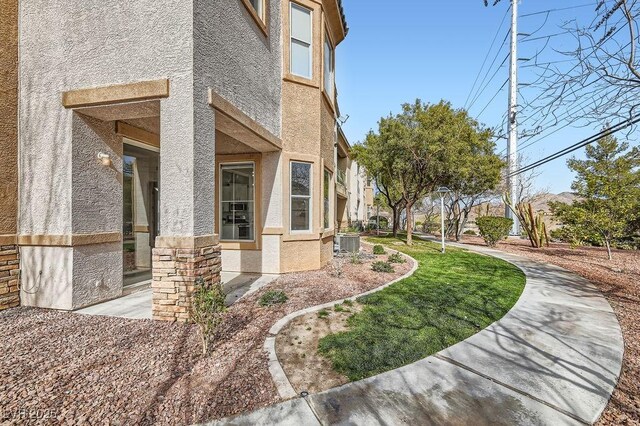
{"points": [[554, 359]]}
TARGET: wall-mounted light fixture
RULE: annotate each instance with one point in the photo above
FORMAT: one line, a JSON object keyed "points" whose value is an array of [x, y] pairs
{"points": [[104, 158]]}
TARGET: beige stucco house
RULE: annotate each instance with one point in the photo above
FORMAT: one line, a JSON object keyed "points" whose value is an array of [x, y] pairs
{"points": [[165, 141]]}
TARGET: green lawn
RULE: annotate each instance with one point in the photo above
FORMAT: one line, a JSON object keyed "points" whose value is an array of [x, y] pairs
{"points": [[449, 298]]}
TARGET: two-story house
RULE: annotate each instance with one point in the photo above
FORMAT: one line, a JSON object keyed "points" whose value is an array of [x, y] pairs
{"points": [[165, 141]]}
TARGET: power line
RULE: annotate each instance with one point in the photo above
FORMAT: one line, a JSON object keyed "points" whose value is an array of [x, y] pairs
{"points": [[487, 55], [557, 10], [493, 98], [480, 92], [604, 133]]}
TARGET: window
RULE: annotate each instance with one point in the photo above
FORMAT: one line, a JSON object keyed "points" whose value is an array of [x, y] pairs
{"points": [[258, 6], [300, 196], [326, 199], [237, 201], [301, 39], [329, 67]]}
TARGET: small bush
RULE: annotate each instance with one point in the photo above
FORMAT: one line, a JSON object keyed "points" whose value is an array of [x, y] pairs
{"points": [[207, 307], [337, 268], [355, 259], [378, 249], [396, 258], [348, 302], [323, 313], [273, 297], [494, 228], [338, 308], [382, 266], [470, 232]]}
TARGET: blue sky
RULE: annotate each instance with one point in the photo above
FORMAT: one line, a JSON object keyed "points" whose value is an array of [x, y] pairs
{"points": [[406, 49]]}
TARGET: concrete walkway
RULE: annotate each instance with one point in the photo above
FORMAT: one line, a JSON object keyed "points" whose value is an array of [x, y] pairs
{"points": [[554, 359], [137, 304]]}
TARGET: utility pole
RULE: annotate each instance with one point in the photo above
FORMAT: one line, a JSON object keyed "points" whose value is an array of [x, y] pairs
{"points": [[512, 144]]}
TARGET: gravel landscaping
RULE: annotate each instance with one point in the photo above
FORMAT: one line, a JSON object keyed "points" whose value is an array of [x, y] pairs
{"points": [[81, 369], [619, 281]]}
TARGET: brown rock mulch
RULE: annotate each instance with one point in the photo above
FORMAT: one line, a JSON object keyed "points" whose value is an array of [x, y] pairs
{"points": [[619, 281], [76, 369]]}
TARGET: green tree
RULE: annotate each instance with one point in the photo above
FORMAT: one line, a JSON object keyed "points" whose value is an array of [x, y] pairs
{"points": [[379, 159], [423, 147], [608, 189]]}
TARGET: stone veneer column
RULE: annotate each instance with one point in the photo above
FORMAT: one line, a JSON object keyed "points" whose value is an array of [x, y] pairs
{"points": [[9, 277], [175, 271]]}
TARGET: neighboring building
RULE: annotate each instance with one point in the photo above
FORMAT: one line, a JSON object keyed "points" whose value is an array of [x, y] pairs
{"points": [[354, 194], [166, 140]]}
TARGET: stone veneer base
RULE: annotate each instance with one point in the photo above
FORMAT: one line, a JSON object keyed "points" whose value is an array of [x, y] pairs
{"points": [[9, 277], [175, 271]]}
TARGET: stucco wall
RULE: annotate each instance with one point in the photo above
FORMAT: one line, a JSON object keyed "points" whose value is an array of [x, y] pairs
{"points": [[8, 115], [47, 276], [70, 45], [236, 59], [64, 189]]}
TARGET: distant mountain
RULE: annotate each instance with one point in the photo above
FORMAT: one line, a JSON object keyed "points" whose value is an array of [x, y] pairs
{"points": [[542, 201]]}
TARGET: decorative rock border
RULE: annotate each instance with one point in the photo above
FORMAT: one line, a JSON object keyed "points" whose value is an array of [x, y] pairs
{"points": [[285, 389]]}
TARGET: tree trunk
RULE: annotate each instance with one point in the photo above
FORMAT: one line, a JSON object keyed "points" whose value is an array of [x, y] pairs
{"points": [[463, 223], [397, 209], [608, 244], [409, 206], [396, 221]]}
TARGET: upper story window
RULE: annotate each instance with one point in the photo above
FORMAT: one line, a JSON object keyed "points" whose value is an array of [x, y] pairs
{"points": [[258, 6], [301, 41], [329, 67], [258, 11]]}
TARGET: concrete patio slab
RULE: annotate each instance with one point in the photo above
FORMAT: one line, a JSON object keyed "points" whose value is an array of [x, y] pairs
{"points": [[237, 285], [137, 305], [554, 359], [134, 306]]}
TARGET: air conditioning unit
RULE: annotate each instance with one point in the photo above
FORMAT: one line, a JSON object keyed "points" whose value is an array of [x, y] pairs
{"points": [[349, 243]]}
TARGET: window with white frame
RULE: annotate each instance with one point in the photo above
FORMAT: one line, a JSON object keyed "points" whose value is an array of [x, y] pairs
{"points": [[301, 196], [301, 41], [326, 198], [258, 6], [329, 67], [237, 202]]}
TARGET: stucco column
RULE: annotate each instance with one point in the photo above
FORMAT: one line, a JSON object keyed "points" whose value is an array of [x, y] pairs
{"points": [[187, 249]]}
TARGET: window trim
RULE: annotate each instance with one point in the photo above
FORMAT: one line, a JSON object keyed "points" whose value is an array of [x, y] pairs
{"points": [[328, 209], [310, 197], [261, 21], [254, 164], [327, 39], [293, 4]]}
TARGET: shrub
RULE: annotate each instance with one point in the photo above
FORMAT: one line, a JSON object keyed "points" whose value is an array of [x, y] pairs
{"points": [[337, 268], [494, 228], [273, 297], [323, 313], [382, 266], [355, 259], [378, 249], [470, 232], [338, 308], [396, 258], [348, 302], [207, 307]]}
